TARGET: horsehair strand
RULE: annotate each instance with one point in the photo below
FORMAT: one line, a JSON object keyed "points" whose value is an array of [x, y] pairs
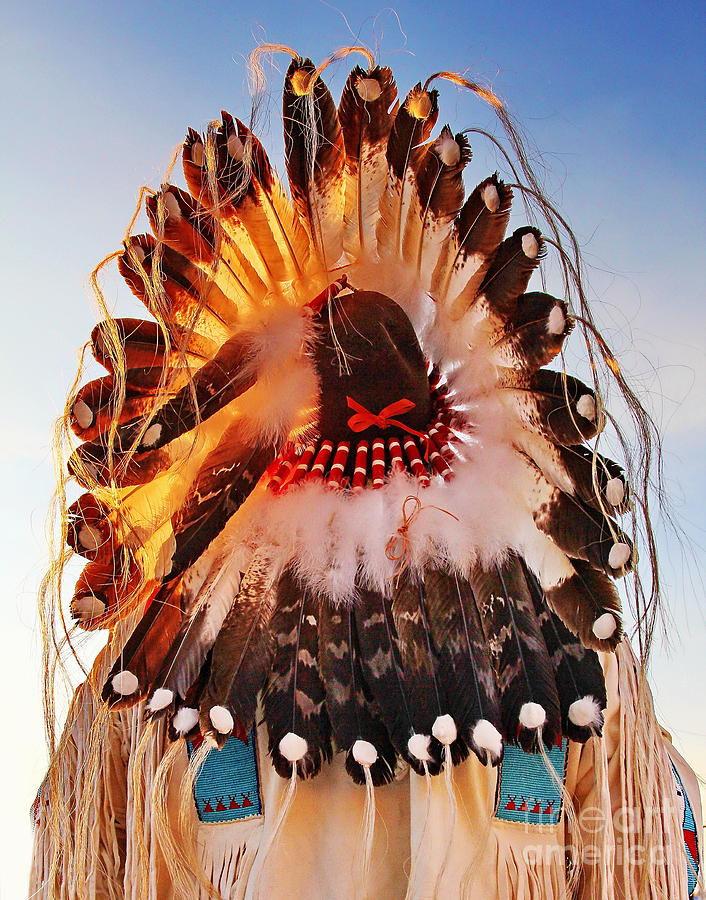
{"points": [[177, 834], [258, 80]]}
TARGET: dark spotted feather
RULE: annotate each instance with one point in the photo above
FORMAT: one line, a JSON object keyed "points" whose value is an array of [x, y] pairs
{"points": [[509, 273], [522, 665], [418, 659], [577, 669], [294, 699], [365, 125], [315, 157], [465, 669], [350, 711], [581, 599], [382, 670], [476, 236], [240, 661]]}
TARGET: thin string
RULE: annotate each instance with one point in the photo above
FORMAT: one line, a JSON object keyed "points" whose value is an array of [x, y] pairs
{"points": [[399, 546], [367, 832]]}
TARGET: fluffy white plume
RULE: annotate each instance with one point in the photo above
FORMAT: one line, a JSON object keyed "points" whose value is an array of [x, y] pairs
{"points": [[364, 753], [185, 720], [619, 555], [532, 715], [444, 729], [604, 626], [125, 683], [83, 414], [160, 699], [221, 719], [293, 747], [615, 491], [487, 737], [585, 712], [418, 746]]}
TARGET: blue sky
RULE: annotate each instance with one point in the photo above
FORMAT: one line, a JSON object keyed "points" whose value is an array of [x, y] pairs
{"points": [[98, 94]]}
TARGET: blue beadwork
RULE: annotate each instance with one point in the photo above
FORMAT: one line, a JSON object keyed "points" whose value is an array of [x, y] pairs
{"points": [[228, 786], [689, 828], [527, 792]]}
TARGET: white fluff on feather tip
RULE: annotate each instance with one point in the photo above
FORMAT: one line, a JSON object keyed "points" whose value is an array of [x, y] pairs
{"points": [[293, 747], [235, 147], [447, 149], [615, 491], [185, 720], [586, 407], [418, 746], [364, 753], [532, 715], [490, 196], [444, 729], [619, 555], [89, 537], [197, 154], [171, 206], [87, 607], [556, 321], [160, 699], [369, 89], [152, 435], [530, 245], [221, 719], [125, 683], [604, 627], [83, 414], [585, 712], [487, 737]]}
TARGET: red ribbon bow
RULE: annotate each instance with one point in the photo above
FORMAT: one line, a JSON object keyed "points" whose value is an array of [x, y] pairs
{"points": [[362, 418]]}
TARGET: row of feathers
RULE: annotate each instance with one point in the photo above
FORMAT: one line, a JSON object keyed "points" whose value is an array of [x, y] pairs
{"points": [[200, 399]]}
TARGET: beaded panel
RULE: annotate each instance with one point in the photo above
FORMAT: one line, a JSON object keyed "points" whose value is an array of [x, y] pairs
{"points": [[228, 786], [527, 792]]}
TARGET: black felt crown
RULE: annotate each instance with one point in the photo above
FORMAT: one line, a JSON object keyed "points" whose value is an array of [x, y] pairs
{"points": [[369, 354]]}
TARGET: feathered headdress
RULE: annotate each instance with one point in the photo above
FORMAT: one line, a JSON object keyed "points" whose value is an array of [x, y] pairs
{"points": [[332, 476]]}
